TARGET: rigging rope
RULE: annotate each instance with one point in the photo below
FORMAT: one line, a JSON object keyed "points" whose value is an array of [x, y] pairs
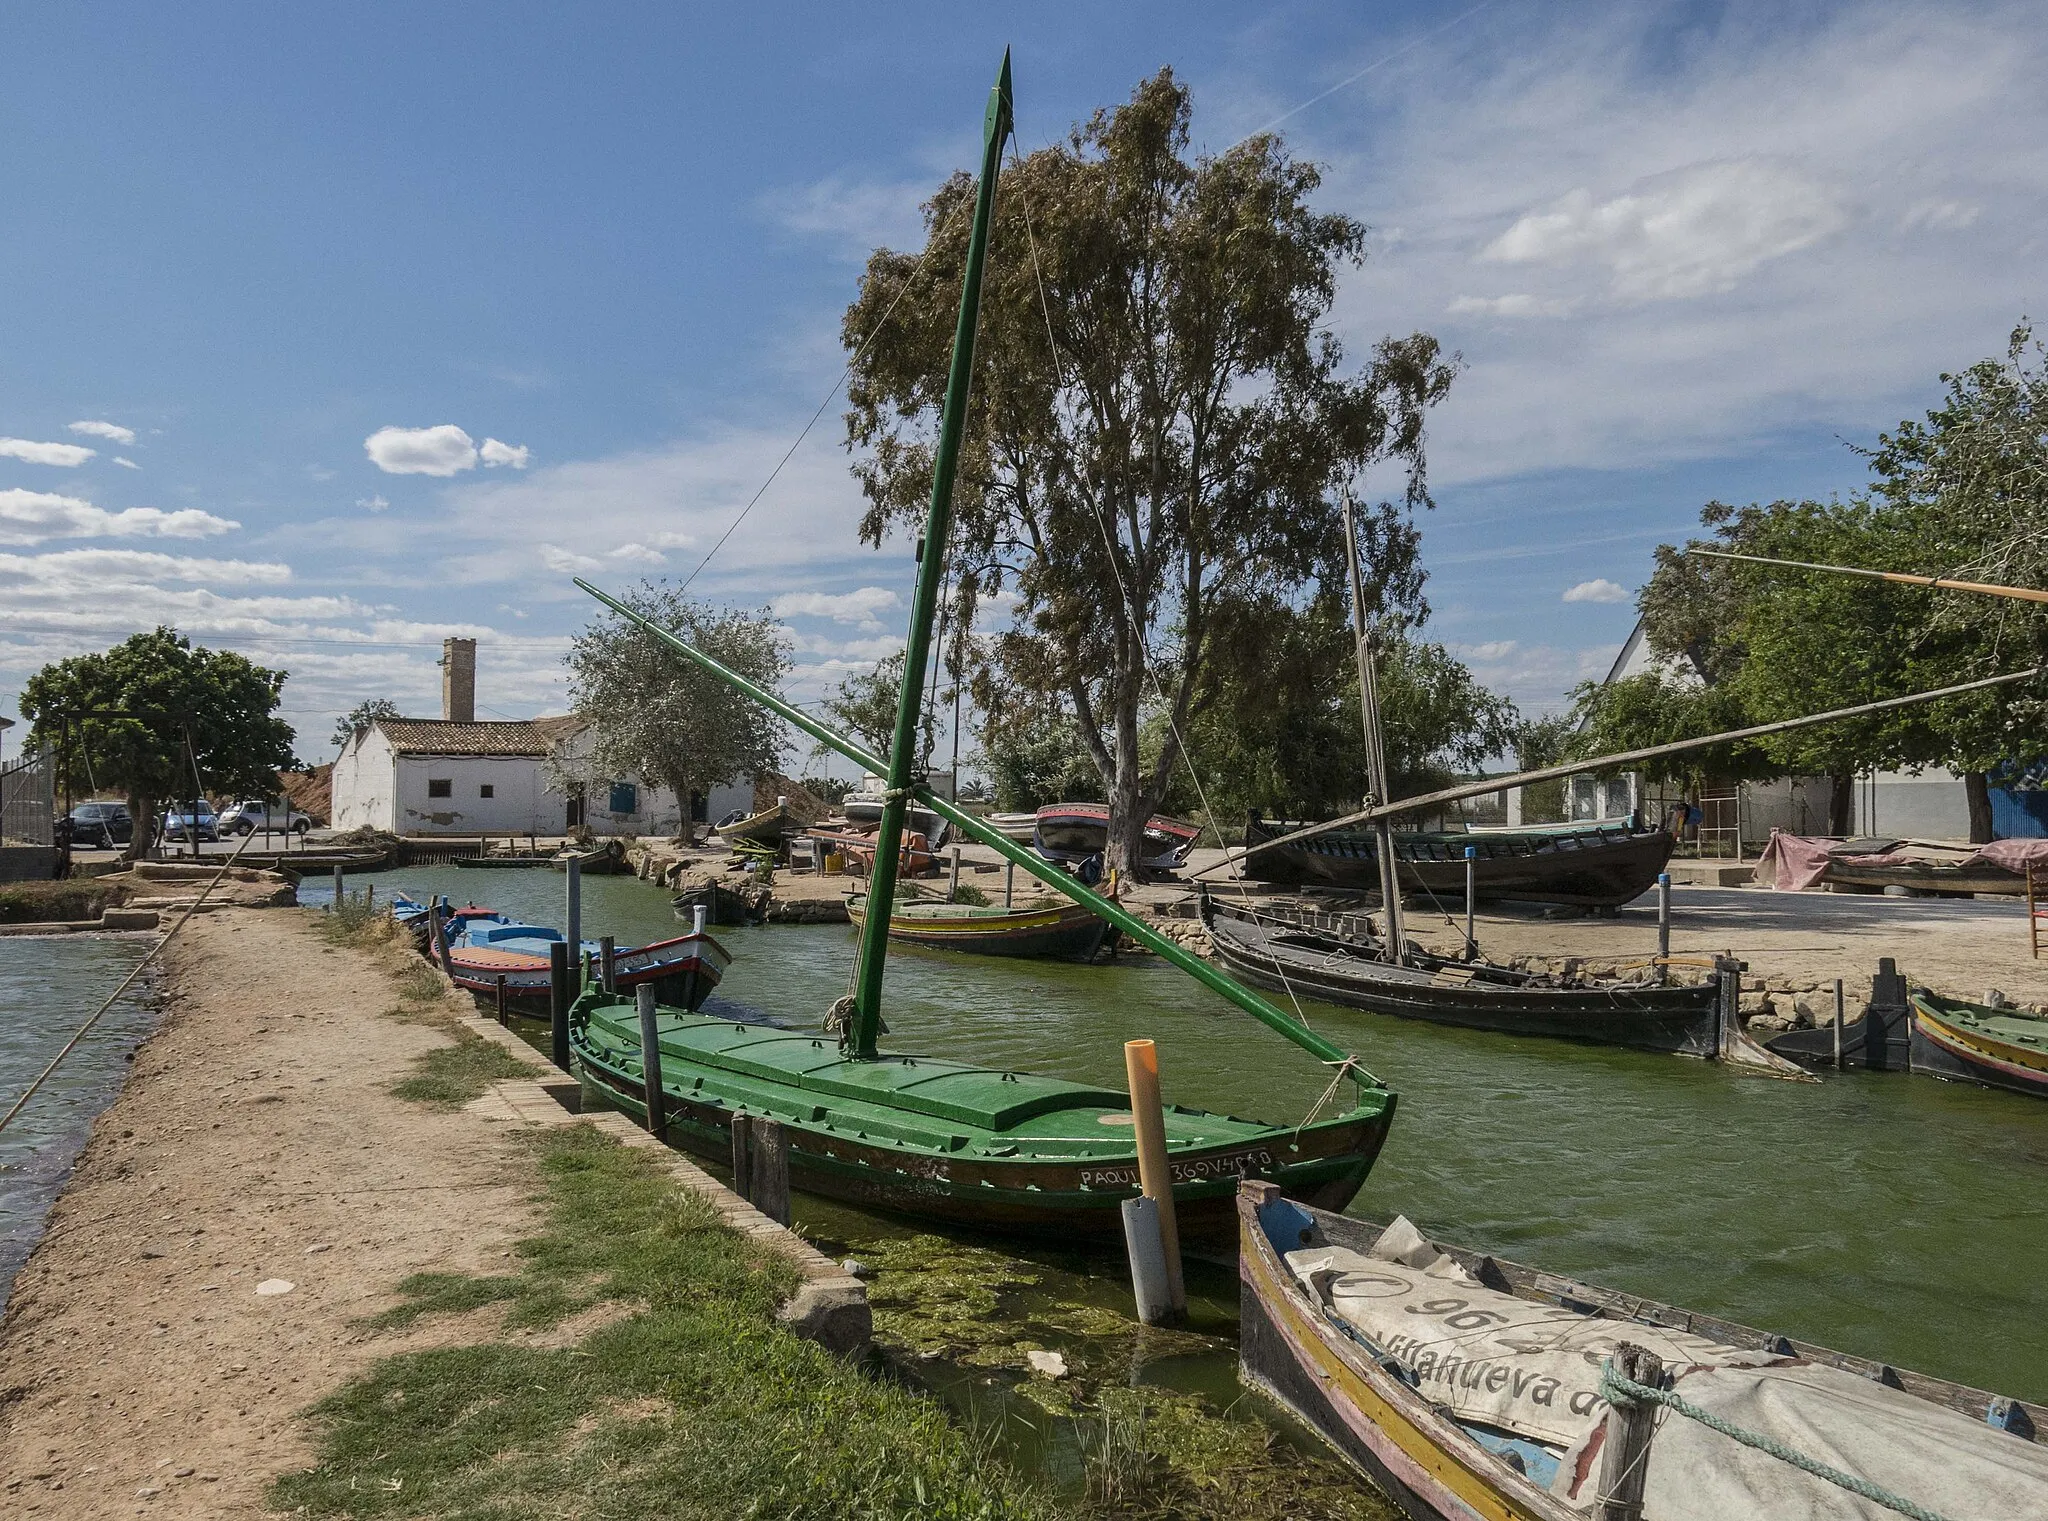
{"points": [[134, 972]]}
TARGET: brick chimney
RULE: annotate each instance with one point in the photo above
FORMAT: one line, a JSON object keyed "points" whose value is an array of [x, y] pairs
{"points": [[458, 680]]}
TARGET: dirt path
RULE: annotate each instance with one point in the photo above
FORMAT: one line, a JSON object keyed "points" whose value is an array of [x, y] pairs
{"points": [[143, 1369]]}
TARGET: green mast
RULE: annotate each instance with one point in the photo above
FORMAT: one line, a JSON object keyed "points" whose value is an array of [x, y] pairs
{"points": [[874, 944]]}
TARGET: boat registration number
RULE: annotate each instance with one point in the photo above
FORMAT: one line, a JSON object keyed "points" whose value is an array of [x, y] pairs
{"points": [[1190, 1170]]}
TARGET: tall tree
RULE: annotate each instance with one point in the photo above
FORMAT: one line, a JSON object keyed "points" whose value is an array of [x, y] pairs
{"points": [[147, 714], [659, 717], [361, 716], [1162, 422], [864, 704]]}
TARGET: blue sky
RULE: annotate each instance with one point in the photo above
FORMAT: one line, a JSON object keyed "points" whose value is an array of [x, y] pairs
{"points": [[1686, 253]]}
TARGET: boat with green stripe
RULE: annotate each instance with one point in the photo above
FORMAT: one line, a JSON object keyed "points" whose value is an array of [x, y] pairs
{"points": [[1063, 931]]}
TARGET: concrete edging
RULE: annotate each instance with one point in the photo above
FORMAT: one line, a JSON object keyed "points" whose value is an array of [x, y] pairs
{"points": [[830, 1306]]}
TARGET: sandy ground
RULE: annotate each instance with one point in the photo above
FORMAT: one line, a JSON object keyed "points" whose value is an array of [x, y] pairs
{"points": [[141, 1371]]}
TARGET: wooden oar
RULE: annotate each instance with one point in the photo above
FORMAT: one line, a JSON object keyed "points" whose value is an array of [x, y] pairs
{"points": [[1427, 800], [1940, 583]]}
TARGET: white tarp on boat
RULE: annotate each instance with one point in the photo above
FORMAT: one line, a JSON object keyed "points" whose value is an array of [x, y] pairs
{"points": [[1534, 1369]]}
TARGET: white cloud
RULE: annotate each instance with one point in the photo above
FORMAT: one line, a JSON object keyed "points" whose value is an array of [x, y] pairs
{"points": [[112, 432], [1618, 171], [442, 450], [69, 456], [1598, 590], [1509, 306], [101, 567], [1493, 649], [125, 463], [856, 607], [495, 453], [636, 554], [568, 562], [30, 517], [373, 503], [858, 215], [1686, 232]]}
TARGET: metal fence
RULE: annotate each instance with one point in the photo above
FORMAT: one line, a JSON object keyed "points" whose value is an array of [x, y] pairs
{"points": [[28, 800]]}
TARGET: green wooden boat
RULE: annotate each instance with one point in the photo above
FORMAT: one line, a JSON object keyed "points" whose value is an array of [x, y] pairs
{"points": [[935, 1136], [1063, 931], [968, 1145]]}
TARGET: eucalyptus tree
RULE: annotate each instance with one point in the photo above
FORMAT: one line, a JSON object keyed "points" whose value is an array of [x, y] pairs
{"points": [[1162, 427], [659, 717]]}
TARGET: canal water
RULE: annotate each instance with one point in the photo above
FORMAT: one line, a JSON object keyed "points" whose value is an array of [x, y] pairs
{"points": [[1896, 1217], [48, 987]]}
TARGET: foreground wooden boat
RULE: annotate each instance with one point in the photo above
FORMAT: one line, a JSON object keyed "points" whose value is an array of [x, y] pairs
{"points": [[1056, 931], [941, 1138], [484, 945], [1076, 831], [1322, 964], [1465, 1385], [1593, 868], [1973, 1043], [966, 1145]]}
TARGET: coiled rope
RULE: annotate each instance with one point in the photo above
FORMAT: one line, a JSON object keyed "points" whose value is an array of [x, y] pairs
{"points": [[1619, 1389]]}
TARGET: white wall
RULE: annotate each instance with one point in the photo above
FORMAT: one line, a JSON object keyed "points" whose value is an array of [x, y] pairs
{"points": [[362, 783], [519, 803], [1930, 806]]}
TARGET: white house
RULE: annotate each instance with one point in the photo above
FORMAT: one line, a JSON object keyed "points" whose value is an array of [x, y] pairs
{"points": [[454, 775]]}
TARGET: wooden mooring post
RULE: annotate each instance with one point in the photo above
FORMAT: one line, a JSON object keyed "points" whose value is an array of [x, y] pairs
{"points": [[1155, 1171], [437, 917], [650, 1064], [1009, 883], [574, 930], [504, 1012], [953, 885], [608, 963], [1839, 1012], [1625, 1447], [340, 892], [558, 1003], [760, 1164]]}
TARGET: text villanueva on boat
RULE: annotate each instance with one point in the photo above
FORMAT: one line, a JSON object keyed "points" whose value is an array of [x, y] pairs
{"points": [[940, 1138]]}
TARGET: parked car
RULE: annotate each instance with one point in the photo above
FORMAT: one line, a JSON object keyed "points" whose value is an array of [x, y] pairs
{"points": [[106, 824], [241, 818], [180, 824]]}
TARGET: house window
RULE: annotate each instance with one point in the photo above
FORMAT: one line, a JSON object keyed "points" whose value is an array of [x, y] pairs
{"points": [[440, 786], [487, 790], [625, 799]]}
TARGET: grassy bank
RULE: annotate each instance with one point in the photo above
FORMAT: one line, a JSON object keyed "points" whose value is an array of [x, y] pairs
{"points": [[74, 898], [683, 1397]]}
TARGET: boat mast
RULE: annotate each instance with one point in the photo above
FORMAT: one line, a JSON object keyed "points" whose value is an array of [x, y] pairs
{"points": [[931, 559], [1375, 751]]}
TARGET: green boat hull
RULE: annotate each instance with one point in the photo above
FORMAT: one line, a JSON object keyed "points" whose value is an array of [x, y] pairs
{"points": [[962, 1145]]}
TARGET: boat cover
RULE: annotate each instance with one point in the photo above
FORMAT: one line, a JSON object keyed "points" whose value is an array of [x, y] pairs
{"points": [[1533, 1369]]}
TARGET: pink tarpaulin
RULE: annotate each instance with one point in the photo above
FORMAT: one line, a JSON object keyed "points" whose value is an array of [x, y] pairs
{"points": [[2014, 855], [1791, 863]]}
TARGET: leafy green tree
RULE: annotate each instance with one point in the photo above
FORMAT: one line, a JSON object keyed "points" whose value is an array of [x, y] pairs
{"points": [[361, 716], [660, 717], [864, 705], [1163, 423], [144, 716], [1032, 756]]}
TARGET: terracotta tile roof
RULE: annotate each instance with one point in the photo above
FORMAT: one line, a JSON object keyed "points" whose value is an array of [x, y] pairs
{"points": [[439, 736]]}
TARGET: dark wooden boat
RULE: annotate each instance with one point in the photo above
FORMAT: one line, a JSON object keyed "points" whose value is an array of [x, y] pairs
{"points": [[1051, 931], [1075, 831], [1854, 867], [1453, 1418], [1879, 1038], [721, 905], [937, 1137], [1593, 868], [966, 1145], [1321, 963], [1973, 1043]]}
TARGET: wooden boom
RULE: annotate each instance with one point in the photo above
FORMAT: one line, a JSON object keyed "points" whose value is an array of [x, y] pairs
{"points": [[1940, 583], [1607, 762]]}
